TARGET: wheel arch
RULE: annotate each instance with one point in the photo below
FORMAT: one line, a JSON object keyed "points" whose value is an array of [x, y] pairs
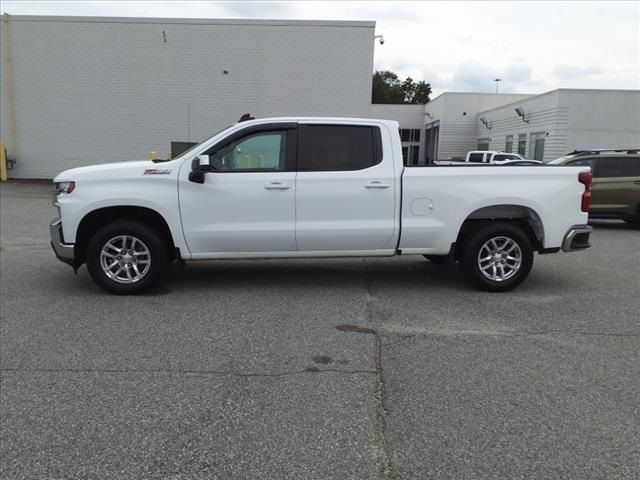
{"points": [[99, 217], [524, 217]]}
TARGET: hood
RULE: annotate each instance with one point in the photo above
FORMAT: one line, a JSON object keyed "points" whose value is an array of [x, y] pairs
{"points": [[111, 170]]}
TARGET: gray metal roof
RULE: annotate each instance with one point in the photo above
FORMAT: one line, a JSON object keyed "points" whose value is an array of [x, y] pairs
{"points": [[192, 21]]}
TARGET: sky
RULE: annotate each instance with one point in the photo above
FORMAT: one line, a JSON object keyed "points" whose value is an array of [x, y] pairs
{"points": [[455, 46]]}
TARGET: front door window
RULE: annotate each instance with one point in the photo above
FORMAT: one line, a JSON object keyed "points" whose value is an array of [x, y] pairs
{"points": [[260, 152]]}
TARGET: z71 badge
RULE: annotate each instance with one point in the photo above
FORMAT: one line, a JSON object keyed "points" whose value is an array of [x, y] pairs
{"points": [[157, 171]]}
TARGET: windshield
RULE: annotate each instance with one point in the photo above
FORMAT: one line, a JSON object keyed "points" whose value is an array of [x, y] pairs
{"points": [[183, 154]]}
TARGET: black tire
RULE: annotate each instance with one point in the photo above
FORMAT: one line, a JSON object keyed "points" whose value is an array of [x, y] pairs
{"points": [[470, 264], [154, 243], [438, 259]]}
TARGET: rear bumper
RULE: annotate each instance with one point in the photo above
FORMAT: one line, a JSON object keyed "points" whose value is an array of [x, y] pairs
{"points": [[577, 238], [64, 251]]}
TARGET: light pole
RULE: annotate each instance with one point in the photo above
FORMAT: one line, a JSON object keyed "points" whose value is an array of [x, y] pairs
{"points": [[497, 80]]}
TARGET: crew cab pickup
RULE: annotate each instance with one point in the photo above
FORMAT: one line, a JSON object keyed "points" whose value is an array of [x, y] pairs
{"points": [[313, 187]]}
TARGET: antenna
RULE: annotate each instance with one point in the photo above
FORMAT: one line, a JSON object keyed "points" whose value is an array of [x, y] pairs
{"points": [[497, 80]]}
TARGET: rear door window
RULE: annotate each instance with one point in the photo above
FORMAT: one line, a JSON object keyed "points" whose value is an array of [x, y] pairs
{"points": [[612, 167], [630, 167], [339, 148]]}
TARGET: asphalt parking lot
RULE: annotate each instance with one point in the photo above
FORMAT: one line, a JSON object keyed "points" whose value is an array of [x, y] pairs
{"points": [[317, 369]]}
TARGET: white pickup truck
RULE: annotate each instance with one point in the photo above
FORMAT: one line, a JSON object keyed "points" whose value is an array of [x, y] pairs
{"points": [[313, 187], [491, 157]]}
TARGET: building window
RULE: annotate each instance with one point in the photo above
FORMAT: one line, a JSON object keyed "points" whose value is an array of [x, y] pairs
{"points": [[415, 152], [536, 148], [410, 139], [411, 154], [483, 143], [409, 135], [522, 144], [508, 144]]}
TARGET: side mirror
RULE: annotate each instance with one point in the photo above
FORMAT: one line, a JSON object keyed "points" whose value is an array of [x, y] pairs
{"points": [[199, 166], [196, 176], [199, 162]]}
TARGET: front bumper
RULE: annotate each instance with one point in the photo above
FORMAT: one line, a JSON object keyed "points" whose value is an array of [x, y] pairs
{"points": [[577, 238], [64, 251]]}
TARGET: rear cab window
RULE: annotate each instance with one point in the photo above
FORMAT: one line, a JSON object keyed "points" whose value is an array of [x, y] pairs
{"points": [[476, 157]]}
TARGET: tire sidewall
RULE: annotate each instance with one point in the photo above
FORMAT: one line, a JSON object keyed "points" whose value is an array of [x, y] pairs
{"points": [[471, 269], [151, 239]]}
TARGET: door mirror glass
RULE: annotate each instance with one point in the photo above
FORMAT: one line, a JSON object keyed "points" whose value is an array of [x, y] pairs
{"points": [[203, 161]]}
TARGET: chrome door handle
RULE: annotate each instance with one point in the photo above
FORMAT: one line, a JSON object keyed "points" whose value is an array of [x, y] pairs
{"points": [[376, 184], [277, 186]]}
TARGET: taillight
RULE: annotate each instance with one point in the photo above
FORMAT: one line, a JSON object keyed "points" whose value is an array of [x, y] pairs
{"points": [[585, 178]]}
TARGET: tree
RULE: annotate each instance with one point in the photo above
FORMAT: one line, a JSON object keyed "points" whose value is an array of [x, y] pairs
{"points": [[388, 88]]}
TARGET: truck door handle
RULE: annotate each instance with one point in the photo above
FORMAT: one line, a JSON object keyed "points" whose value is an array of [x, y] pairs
{"points": [[376, 184], [277, 186], [637, 182]]}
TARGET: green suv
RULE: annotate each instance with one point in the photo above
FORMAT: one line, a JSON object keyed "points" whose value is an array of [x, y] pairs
{"points": [[615, 191]]}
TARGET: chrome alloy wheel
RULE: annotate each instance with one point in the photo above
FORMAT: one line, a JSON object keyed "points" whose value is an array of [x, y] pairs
{"points": [[499, 258], [125, 259]]}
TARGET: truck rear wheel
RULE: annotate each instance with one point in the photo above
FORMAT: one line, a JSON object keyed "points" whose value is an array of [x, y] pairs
{"points": [[126, 257], [497, 257]]}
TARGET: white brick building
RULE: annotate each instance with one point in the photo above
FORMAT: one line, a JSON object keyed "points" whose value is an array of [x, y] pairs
{"points": [[92, 89]]}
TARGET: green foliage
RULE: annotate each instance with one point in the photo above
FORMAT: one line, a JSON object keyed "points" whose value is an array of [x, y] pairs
{"points": [[388, 88]]}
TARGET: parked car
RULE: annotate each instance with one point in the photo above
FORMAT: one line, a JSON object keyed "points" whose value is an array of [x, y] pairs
{"points": [[615, 191], [480, 156], [312, 187]]}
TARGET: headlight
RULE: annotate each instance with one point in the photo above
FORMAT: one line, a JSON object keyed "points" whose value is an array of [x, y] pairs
{"points": [[64, 187]]}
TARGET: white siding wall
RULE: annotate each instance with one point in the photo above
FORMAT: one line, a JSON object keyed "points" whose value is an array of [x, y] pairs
{"points": [[543, 113], [571, 119], [457, 113], [602, 119], [92, 90], [409, 116]]}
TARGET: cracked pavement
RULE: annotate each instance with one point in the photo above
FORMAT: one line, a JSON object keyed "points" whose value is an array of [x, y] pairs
{"points": [[326, 368]]}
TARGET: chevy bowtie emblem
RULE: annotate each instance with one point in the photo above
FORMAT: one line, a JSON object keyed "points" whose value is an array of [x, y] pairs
{"points": [[157, 171]]}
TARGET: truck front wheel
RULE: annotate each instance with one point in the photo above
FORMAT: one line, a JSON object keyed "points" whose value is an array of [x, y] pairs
{"points": [[126, 257], [497, 257]]}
